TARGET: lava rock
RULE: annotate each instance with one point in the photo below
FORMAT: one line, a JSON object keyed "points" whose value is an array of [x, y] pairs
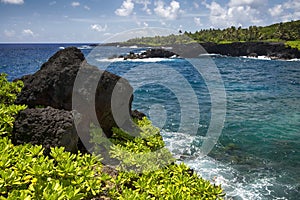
{"points": [[273, 50], [137, 114], [52, 85], [48, 127], [67, 79], [158, 53], [150, 53]]}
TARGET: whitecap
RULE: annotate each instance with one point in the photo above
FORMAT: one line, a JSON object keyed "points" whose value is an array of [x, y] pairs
{"points": [[294, 60], [85, 47], [135, 60], [258, 57], [235, 184]]}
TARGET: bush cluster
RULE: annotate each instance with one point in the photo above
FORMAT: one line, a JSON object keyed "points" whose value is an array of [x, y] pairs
{"points": [[8, 94], [26, 173]]}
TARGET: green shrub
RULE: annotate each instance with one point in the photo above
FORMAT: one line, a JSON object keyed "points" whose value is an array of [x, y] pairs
{"points": [[293, 44], [158, 177], [8, 94], [175, 181], [142, 154], [26, 173], [9, 90]]}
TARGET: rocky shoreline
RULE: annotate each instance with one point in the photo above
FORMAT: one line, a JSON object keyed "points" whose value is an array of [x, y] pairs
{"points": [[237, 49], [150, 53], [254, 49]]}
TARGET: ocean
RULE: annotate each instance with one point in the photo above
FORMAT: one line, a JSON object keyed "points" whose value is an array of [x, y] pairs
{"points": [[257, 155]]}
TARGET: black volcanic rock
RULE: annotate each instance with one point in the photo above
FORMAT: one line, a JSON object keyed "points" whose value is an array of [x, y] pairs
{"points": [[273, 50], [53, 85], [158, 53], [137, 114], [150, 53], [48, 127]]}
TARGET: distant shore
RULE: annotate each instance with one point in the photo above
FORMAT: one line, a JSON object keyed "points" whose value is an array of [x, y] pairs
{"points": [[236, 49]]}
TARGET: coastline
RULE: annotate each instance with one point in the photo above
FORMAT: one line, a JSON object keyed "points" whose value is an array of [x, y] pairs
{"points": [[272, 50], [51, 125]]}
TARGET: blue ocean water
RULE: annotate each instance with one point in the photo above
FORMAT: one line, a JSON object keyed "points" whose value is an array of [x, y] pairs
{"points": [[258, 153]]}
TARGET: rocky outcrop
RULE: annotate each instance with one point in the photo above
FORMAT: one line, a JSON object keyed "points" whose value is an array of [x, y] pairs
{"points": [[52, 85], [67, 83], [270, 49], [150, 53], [49, 127], [273, 50]]}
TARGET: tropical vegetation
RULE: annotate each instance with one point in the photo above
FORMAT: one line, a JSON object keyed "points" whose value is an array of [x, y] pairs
{"points": [[288, 32], [26, 172]]}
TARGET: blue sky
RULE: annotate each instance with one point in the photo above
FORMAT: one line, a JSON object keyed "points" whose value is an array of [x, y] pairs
{"points": [[97, 20]]}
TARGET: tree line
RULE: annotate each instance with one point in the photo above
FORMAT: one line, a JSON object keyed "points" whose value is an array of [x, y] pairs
{"points": [[280, 32]]}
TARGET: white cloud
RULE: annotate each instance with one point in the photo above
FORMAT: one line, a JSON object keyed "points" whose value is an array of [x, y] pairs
{"points": [[28, 32], [170, 12], [217, 13], [146, 24], [145, 3], [126, 8], [276, 11], [290, 10], [251, 3], [197, 21], [75, 4], [235, 13], [99, 28], [87, 8], [13, 1], [9, 33], [292, 4]]}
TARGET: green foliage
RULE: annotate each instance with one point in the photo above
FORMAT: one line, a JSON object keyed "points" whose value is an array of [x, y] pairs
{"points": [[293, 44], [159, 177], [175, 181], [8, 94], [7, 114], [9, 90], [144, 153], [280, 32], [25, 171], [160, 40]]}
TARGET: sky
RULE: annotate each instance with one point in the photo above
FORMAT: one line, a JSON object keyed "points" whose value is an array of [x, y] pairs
{"points": [[84, 21]]}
